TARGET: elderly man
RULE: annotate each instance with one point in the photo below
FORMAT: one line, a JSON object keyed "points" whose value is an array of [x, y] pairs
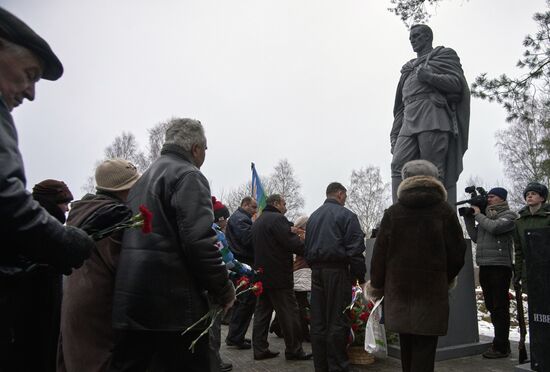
{"points": [[431, 111], [418, 252], [162, 277], [274, 243], [30, 235], [334, 251]]}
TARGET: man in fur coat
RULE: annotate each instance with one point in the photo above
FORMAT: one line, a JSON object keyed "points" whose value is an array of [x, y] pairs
{"points": [[417, 254]]}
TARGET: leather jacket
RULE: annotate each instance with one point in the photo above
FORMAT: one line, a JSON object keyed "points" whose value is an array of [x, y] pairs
{"points": [[162, 277]]}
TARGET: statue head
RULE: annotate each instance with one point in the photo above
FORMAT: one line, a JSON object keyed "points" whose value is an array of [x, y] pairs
{"points": [[421, 37]]}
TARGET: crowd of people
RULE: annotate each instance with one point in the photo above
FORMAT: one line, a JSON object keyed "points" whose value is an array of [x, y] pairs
{"points": [[126, 297]]}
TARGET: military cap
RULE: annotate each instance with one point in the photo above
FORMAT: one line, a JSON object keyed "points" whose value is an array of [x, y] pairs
{"points": [[17, 32]]}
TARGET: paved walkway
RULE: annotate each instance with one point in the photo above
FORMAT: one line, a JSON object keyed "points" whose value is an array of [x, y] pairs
{"points": [[243, 360]]}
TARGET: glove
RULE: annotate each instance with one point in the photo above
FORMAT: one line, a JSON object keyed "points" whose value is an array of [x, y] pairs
{"points": [[75, 246]]}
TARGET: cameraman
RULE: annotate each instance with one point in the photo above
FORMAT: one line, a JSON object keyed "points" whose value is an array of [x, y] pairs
{"points": [[493, 234]]}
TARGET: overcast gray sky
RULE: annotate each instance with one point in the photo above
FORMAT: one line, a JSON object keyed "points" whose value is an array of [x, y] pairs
{"points": [[312, 81]]}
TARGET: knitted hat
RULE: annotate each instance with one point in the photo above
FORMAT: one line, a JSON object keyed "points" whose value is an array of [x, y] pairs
{"points": [[539, 188], [220, 211], [56, 191], [499, 191], [115, 175], [16, 31], [419, 168]]}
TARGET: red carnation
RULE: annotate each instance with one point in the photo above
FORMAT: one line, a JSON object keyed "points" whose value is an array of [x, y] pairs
{"points": [[364, 316], [243, 282], [258, 288], [354, 326], [147, 219]]}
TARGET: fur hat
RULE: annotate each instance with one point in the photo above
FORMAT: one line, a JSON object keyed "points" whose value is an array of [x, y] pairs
{"points": [[16, 31], [419, 168], [498, 191], [56, 191], [115, 175], [220, 211], [537, 187]]}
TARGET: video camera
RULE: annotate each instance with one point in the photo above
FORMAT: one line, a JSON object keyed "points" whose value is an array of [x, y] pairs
{"points": [[478, 197]]}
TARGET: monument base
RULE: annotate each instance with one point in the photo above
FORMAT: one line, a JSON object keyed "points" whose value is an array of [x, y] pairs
{"points": [[523, 367], [448, 352]]}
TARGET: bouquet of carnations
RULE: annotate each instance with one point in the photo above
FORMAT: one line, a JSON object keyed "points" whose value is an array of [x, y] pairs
{"points": [[244, 284], [358, 312], [116, 217]]}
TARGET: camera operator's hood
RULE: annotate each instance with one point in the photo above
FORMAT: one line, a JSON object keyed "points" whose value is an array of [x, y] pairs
{"points": [[421, 191]]}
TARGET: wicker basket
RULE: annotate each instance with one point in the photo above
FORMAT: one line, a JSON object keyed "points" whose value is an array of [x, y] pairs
{"points": [[358, 355]]}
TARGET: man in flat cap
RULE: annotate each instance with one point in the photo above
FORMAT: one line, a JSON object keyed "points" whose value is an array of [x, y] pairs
{"points": [[28, 232]]}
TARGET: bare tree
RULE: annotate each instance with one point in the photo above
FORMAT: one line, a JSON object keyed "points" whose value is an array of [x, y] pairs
{"points": [[126, 147], [368, 196], [522, 150], [156, 140], [284, 182], [89, 186]]}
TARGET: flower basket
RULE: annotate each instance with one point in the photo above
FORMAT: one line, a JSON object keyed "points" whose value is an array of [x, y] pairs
{"points": [[358, 355]]}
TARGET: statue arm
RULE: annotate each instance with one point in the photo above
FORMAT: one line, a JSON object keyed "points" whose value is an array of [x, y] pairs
{"points": [[446, 83], [398, 109]]}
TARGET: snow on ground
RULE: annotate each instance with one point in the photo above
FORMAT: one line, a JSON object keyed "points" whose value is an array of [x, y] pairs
{"points": [[484, 318]]}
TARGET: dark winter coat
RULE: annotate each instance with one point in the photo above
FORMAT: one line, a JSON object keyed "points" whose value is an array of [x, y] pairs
{"points": [[493, 235], [274, 245], [239, 236], [334, 236], [162, 277], [540, 218], [419, 250], [25, 227], [86, 341]]}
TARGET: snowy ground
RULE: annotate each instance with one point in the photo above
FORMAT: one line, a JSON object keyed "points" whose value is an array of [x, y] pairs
{"points": [[484, 319]]}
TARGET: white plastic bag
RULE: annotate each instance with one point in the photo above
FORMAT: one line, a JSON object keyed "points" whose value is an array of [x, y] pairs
{"points": [[375, 333]]}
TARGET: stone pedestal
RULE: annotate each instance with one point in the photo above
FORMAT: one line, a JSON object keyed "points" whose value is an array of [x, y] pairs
{"points": [[537, 259], [462, 338]]}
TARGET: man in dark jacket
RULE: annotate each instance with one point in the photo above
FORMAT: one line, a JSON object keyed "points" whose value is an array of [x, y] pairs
{"points": [[418, 252], [162, 277], [30, 235], [274, 244], [25, 227], [535, 214], [334, 251], [493, 235], [239, 238]]}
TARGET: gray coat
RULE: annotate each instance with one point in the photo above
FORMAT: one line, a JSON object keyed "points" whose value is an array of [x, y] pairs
{"points": [[493, 235]]}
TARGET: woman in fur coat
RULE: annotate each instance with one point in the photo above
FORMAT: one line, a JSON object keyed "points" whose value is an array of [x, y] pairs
{"points": [[417, 254]]}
